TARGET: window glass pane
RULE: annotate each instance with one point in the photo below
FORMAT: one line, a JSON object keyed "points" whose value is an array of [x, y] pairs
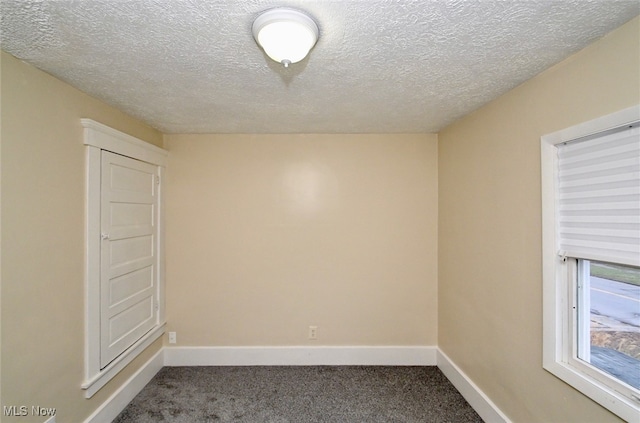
{"points": [[612, 333]]}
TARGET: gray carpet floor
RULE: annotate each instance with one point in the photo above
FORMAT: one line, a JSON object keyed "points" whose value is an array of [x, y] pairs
{"points": [[299, 394]]}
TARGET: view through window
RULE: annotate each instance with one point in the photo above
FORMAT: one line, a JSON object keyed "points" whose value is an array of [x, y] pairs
{"points": [[609, 332]]}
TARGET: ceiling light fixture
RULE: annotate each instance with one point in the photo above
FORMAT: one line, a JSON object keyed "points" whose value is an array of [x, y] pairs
{"points": [[286, 35]]}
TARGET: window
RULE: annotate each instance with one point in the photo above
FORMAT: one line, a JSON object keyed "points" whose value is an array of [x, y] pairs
{"points": [[591, 259]]}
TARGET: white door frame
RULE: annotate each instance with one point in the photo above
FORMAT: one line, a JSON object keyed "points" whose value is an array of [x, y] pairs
{"points": [[98, 137]]}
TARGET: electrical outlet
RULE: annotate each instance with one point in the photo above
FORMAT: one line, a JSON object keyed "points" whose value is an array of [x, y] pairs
{"points": [[172, 337], [313, 332]]}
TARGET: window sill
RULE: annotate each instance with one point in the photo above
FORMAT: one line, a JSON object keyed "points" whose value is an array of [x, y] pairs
{"points": [[597, 391], [93, 384]]}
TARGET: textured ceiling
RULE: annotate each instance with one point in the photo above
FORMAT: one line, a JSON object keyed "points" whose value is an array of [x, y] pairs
{"points": [[379, 66]]}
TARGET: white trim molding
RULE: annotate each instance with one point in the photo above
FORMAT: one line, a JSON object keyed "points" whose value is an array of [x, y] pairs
{"points": [[301, 356], [93, 385], [480, 402], [98, 137], [114, 405], [105, 138]]}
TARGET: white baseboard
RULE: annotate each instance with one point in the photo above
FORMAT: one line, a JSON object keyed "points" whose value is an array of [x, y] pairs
{"points": [[300, 356], [480, 402], [113, 406]]}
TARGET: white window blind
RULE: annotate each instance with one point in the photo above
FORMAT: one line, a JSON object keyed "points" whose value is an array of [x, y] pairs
{"points": [[599, 197]]}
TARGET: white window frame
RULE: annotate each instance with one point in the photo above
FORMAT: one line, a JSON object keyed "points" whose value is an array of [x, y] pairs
{"points": [[98, 137], [560, 323]]}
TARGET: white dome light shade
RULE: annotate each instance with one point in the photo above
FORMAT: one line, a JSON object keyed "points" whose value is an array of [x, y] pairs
{"points": [[286, 35]]}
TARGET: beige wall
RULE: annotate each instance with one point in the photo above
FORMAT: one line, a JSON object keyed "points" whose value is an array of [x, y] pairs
{"points": [[490, 283], [42, 240], [268, 234]]}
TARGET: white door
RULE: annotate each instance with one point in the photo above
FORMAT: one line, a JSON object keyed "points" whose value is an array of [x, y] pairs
{"points": [[129, 266]]}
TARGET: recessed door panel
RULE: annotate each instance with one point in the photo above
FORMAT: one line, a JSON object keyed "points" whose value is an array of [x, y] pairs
{"points": [[129, 250], [131, 215], [131, 321], [128, 178], [129, 285]]}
